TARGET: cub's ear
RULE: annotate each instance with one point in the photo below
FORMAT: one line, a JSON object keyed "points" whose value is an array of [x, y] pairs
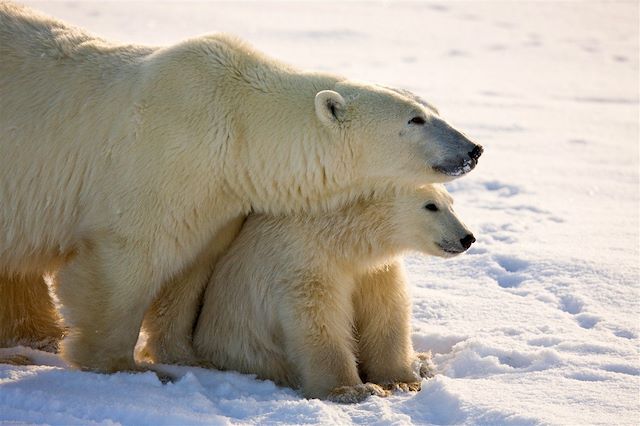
{"points": [[330, 107]]}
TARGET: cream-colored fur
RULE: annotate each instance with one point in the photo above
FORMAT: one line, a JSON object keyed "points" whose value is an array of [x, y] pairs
{"points": [[284, 301], [170, 320], [28, 315], [121, 164]]}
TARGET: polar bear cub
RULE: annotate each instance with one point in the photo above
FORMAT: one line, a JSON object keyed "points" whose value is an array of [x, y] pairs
{"points": [[318, 301]]}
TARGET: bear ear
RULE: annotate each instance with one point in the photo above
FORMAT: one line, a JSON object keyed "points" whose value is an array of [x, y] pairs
{"points": [[330, 107]]}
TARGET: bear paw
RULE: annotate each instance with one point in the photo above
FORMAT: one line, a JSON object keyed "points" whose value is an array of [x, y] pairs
{"points": [[402, 386], [423, 365], [187, 360], [16, 360], [357, 393], [163, 375]]}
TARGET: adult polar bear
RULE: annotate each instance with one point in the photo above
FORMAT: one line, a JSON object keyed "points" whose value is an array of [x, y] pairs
{"points": [[127, 167]]}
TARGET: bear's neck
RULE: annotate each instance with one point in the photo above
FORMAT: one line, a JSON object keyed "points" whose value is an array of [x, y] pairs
{"points": [[362, 235], [287, 160]]}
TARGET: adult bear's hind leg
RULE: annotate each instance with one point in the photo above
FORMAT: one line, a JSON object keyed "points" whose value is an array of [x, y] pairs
{"points": [[28, 316]]}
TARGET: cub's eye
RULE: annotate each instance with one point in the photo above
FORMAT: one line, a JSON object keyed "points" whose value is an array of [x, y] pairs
{"points": [[431, 207], [417, 120]]}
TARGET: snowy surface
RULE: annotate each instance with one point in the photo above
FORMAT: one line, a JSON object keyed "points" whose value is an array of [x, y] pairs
{"points": [[539, 322]]}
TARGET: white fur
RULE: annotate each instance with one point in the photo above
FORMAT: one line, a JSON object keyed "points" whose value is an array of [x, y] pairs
{"points": [[284, 300], [122, 164]]}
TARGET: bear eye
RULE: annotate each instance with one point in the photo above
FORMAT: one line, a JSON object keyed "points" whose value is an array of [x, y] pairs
{"points": [[417, 120], [431, 207]]}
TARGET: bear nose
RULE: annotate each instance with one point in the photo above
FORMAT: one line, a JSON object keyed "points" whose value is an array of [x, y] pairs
{"points": [[477, 152], [467, 241]]}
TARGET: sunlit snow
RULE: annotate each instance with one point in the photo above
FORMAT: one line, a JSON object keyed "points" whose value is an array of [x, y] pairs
{"points": [[539, 321]]}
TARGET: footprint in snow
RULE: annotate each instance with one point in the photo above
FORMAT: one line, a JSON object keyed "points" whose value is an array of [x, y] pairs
{"points": [[505, 233], [508, 274], [505, 190], [545, 341], [571, 304], [621, 369], [625, 334], [587, 320], [587, 376], [438, 7], [574, 305], [509, 280], [457, 53], [502, 189], [511, 263]]}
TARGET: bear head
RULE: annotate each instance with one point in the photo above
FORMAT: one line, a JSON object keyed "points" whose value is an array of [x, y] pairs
{"points": [[395, 134], [424, 221]]}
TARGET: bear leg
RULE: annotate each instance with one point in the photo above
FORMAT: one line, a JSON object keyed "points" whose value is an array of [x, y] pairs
{"points": [[105, 291], [170, 321], [357, 393], [382, 317], [28, 316], [318, 338]]}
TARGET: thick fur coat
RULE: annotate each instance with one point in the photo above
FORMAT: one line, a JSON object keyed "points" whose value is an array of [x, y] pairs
{"points": [[127, 168], [320, 302]]}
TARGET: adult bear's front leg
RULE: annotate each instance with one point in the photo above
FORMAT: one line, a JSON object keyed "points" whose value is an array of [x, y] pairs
{"points": [[105, 291], [170, 321]]}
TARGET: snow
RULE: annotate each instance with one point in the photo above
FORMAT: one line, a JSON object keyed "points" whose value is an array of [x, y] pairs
{"points": [[539, 322]]}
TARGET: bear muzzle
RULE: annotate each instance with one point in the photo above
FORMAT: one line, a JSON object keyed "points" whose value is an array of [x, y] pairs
{"points": [[454, 249], [461, 165], [467, 241], [476, 152]]}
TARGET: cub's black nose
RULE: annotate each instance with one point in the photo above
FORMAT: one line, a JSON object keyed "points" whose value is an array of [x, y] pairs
{"points": [[477, 152], [467, 241]]}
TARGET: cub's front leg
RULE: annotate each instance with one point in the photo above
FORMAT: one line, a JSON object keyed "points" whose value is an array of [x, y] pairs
{"points": [[383, 324], [317, 319]]}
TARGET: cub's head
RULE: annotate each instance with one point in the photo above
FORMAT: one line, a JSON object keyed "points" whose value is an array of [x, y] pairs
{"points": [[395, 134], [425, 222]]}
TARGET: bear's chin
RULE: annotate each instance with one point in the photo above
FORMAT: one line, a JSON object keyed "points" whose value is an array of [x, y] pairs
{"points": [[455, 170], [446, 251]]}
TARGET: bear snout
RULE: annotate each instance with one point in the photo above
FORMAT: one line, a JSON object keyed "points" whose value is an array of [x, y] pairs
{"points": [[476, 152], [467, 241]]}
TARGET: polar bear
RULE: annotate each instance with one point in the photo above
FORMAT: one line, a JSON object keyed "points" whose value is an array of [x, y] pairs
{"points": [[309, 300], [127, 168]]}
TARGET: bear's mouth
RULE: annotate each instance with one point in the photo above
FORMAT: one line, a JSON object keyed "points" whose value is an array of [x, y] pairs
{"points": [[459, 169], [449, 250]]}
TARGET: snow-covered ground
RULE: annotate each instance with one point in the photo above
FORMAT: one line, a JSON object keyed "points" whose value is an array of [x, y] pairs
{"points": [[539, 322]]}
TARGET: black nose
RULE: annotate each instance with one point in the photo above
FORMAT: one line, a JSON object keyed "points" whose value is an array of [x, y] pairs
{"points": [[467, 241], [477, 152]]}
